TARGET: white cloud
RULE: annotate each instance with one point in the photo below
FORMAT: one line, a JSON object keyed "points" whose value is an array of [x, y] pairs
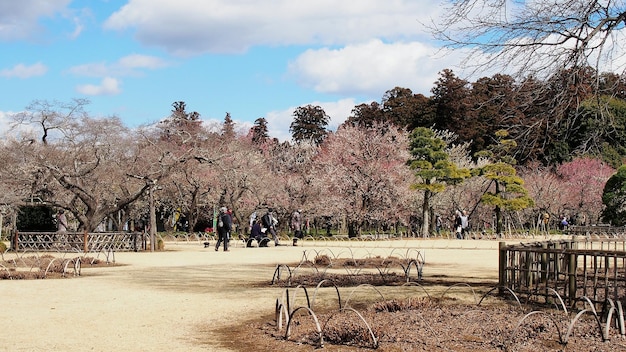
{"points": [[108, 86], [23, 71], [4, 123], [141, 61], [189, 27], [19, 19], [78, 27], [371, 68], [130, 65], [9, 130]]}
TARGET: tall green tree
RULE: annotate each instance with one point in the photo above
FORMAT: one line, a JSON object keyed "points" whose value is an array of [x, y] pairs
{"points": [[309, 124], [508, 192], [600, 129], [492, 105], [366, 115], [433, 168], [449, 100], [400, 107], [259, 131], [614, 198], [228, 127]]}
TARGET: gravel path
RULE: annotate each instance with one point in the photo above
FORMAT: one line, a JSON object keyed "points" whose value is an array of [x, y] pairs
{"points": [[176, 300]]}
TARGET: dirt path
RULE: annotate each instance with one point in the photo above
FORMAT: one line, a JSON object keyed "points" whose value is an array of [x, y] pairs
{"points": [[174, 300]]}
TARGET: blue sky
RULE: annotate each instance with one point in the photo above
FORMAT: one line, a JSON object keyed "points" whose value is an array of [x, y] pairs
{"points": [[133, 59]]}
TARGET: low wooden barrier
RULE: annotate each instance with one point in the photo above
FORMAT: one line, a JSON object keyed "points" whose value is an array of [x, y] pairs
{"points": [[79, 241], [575, 269], [588, 230]]}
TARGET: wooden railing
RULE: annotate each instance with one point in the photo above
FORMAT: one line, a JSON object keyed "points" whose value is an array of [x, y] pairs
{"points": [[78, 241], [577, 268]]}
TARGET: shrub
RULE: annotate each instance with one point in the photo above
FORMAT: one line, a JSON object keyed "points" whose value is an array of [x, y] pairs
{"points": [[322, 260]]}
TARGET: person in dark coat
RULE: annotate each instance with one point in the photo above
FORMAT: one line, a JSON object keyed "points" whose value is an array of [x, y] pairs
{"points": [[257, 234], [224, 226], [269, 222]]}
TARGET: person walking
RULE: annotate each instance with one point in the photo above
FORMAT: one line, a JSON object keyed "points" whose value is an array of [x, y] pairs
{"points": [[224, 226], [296, 226], [269, 222], [464, 224], [438, 224], [458, 225]]}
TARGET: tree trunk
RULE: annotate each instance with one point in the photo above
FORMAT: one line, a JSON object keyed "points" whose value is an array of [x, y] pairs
{"points": [[352, 229], [153, 224], [192, 214], [498, 211], [425, 214]]}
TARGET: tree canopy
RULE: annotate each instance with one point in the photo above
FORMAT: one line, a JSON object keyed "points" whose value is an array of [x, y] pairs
{"points": [[614, 198], [309, 124]]}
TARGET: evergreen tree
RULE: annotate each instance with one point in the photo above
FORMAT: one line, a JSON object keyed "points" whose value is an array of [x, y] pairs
{"points": [[309, 124], [185, 125], [433, 168], [228, 128], [260, 133], [614, 198], [365, 116], [508, 192]]}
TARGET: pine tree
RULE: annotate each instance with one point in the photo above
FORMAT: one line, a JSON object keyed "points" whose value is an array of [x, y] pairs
{"points": [[260, 133], [508, 192], [228, 128], [433, 168]]}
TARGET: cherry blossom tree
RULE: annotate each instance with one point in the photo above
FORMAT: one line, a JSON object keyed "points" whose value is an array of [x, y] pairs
{"points": [[362, 177], [547, 189], [291, 163], [84, 172], [584, 180], [243, 179]]}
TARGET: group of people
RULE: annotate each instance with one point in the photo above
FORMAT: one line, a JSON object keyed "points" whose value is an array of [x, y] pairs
{"points": [[460, 224], [261, 229]]}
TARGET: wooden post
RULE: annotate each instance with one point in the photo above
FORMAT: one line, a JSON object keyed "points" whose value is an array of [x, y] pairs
{"points": [[572, 278], [15, 241], [544, 263], [501, 266]]}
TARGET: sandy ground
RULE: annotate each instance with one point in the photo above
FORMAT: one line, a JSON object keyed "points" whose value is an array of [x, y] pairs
{"points": [[174, 300]]}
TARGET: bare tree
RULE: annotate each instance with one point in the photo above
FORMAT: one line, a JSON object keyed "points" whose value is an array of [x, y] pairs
{"points": [[243, 179], [50, 117], [84, 172], [538, 37]]}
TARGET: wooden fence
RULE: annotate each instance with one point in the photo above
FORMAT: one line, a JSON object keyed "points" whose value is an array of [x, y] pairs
{"points": [[576, 268], [78, 241]]}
